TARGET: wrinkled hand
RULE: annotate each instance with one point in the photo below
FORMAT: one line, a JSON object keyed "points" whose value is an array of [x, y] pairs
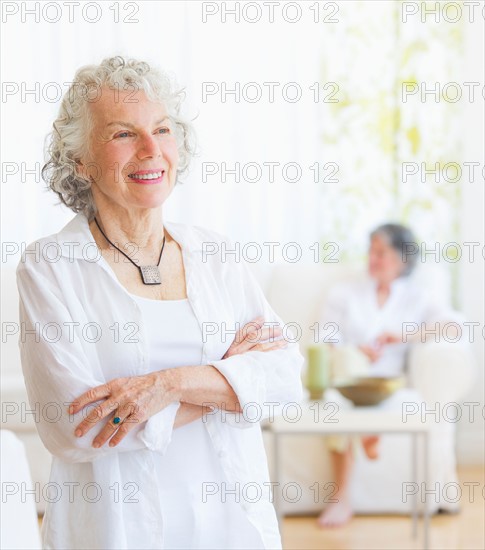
{"points": [[250, 336], [134, 399], [372, 353], [388, 338]]}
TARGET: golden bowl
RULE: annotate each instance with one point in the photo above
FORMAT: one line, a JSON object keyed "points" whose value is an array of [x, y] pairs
{"points": [[365, 392]]}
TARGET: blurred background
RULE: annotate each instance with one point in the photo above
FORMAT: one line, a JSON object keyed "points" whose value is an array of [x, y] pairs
{"points": [[316, 121]]}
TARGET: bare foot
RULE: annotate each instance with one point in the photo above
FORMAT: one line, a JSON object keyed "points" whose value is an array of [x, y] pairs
{"points": [[336, 514], [371, 446]]}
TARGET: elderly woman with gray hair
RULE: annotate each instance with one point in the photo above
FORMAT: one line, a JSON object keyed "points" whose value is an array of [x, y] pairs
{"points": [[150, 410], [370, 314]]}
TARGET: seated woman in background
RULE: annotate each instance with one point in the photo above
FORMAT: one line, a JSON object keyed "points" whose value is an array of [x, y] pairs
{"points": [[370, 314]]}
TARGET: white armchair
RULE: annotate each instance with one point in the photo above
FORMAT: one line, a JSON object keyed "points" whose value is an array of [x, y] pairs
{"points": [[20, 527], [15, 404]]}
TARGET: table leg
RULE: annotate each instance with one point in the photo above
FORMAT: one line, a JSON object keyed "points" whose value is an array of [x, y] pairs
{"points": [[414, 477], [276, 492], [426, 513]]}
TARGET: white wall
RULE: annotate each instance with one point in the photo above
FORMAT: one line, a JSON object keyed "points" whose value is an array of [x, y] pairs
{"points": [[471, 436]]}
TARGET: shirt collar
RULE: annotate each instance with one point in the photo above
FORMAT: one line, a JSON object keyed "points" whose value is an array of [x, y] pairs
{"points": [[75, 238], [397, 286]]}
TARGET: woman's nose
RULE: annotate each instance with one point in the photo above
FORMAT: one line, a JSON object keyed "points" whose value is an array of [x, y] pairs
{"points": [[148, 147]]}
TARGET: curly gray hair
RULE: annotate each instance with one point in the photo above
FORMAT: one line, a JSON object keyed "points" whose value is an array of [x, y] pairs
{"points": [[70, 138]]}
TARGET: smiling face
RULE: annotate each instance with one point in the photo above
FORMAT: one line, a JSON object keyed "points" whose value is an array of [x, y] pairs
{"points": [[385, 265], [134, 156]]}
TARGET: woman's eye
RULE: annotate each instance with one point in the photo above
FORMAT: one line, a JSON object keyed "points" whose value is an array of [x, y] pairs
{"points": [[164, 130], [122, 134]]}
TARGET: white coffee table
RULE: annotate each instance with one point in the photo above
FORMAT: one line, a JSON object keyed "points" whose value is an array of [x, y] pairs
{"points": [[355, 421]]}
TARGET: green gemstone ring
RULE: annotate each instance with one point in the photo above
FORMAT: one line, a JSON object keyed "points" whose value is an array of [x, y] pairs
{"points": [[116, 420]]}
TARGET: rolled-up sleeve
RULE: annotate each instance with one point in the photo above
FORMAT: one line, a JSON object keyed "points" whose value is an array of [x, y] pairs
{"points": [[268, 380], [57, 372]]}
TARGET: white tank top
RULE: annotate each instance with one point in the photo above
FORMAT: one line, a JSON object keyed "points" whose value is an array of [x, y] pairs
{"points": [[190, 465]]}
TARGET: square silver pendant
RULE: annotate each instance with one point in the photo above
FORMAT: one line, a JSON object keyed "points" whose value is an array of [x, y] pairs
{"points": [[150, 275]]}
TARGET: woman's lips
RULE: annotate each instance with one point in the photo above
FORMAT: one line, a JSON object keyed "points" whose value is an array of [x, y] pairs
{"points": [[146, 177]]}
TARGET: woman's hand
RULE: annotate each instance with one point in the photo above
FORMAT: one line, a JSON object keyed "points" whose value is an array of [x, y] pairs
{"points": [[388, 338], [248, 338], [133, 399], [372, 353]]}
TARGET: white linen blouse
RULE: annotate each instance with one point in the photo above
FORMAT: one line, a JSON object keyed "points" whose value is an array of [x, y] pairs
{"points": [[194, 515], [357, 318], [81, 328]]}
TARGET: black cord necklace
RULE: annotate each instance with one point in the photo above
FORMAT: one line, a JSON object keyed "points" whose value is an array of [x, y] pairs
{"points": [[150, 274]]}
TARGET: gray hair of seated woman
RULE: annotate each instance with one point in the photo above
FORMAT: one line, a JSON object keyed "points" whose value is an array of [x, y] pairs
{"points": [[403, 241]]}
